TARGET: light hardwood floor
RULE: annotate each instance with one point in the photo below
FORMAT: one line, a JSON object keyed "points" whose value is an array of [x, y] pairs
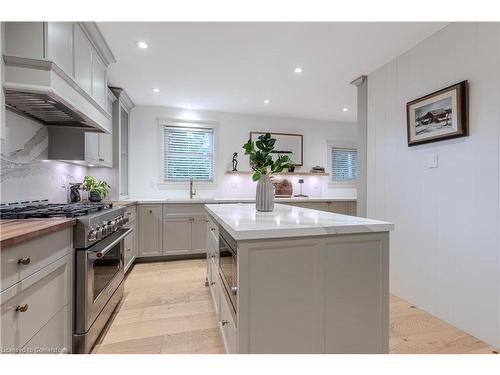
{"points": [[168, 309]]}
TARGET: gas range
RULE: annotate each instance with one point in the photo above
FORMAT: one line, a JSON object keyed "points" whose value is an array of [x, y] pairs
{"points": [[95, 221]]}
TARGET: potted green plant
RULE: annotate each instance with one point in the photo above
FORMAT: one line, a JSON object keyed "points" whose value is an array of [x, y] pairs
{"points": [[263, 165], [97, 189]]}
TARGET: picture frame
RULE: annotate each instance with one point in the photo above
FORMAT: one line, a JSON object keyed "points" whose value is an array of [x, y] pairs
{"points": [[440, 115], [286, 144]]}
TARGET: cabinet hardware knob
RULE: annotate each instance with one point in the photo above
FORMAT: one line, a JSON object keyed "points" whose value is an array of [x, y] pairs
{"points": [[101, 159], [234, 290], [22, 308], [150, 211], [24, 261], [224, 323], [212, 283], [212, 229]]}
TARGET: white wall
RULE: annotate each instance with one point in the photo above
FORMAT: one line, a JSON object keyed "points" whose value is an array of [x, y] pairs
{"points": [[233, 131], [445, 250], [25, 174]]}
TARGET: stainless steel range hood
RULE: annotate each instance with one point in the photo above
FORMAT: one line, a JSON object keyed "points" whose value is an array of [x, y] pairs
{"points": [[39, 89]]}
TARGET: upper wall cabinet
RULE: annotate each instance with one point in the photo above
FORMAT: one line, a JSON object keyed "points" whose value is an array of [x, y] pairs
{"points": [[83, 60], [59, 62], [60, 45]]}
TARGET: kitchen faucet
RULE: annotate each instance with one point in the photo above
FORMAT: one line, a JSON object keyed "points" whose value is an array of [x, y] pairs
{"points": [[192, 190]]}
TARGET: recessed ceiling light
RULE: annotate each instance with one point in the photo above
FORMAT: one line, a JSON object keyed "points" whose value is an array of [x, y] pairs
{"points": [[267, 101], [298, 70], [142, 44], [156, 90], [345, 109]]}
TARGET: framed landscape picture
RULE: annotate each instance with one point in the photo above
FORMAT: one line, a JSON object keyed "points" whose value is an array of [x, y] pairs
{"points": [[286, 144], [437, 116]]}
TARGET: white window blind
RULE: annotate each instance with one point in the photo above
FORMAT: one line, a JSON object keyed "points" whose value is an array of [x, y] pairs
{"points": [[344, 165], [188, 153]]}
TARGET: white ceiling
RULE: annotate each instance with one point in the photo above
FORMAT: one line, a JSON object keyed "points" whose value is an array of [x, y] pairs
{"points": [[234, 67]]}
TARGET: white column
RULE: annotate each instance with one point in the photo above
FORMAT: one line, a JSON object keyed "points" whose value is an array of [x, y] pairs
{"points": [[362, 84]]}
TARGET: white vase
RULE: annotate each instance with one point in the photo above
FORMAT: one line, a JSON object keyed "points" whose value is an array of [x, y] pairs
{"points": [[264, 200]]}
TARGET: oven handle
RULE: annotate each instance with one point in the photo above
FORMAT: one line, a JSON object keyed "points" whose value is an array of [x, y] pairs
{"points": [[100, 253]]}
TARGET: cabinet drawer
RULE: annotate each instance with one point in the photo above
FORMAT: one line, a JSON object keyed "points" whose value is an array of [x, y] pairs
{"points": [[129, 253], [191, 209], [215, 290], [228, 326], [38, 252], [43, 294], [53, 338]]}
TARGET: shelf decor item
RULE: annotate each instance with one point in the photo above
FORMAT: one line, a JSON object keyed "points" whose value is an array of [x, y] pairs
{"points": [[235, 162], [438, 116], [263, 165], [97, 189]]}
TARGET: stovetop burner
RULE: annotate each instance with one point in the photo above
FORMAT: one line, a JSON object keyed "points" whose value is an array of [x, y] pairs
{"points": [[43, 209]]}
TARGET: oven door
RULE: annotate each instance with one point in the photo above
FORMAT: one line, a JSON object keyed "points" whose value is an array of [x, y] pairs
{"points": [[99, 272], [228, 269]]}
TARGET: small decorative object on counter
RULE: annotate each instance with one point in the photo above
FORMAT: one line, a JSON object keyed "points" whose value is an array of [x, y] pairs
{"points": [[291, 167], [235, 162], [301, 195], [317, 169], [97, 189], [263, 165], [74, 192], [283, 188]]}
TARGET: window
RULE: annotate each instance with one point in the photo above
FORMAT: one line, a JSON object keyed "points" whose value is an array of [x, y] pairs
{"points": [[188, 153], [344, 163]]}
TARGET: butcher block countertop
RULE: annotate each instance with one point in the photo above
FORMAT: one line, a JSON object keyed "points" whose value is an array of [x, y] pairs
{"points": [[15, 231]]}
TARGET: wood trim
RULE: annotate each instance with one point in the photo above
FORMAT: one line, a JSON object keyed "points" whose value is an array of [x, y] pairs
{"points": [[17, 231]]}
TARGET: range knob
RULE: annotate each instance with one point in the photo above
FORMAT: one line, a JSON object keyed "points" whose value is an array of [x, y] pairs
{"points": [[98, 232], [92, 236]]}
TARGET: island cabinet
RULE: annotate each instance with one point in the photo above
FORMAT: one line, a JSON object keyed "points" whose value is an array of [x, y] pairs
{"points": [[36, 295], [307, 283], [213, 280]]}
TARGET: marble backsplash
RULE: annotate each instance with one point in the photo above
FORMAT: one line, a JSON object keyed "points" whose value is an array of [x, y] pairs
{"points": [[25, 172]]}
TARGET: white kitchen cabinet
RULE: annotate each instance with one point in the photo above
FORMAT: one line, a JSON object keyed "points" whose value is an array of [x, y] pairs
{"points": [[92, 147], [99, 81], [177, 236], [228, 326], [25, 39], [60, 45], [150, 229], [184, 229], [83, 60], [131, 240], [28, 323]]}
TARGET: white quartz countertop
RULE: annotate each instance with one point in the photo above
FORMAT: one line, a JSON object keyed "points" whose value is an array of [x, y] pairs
{"points": [[243, 222], [236, 200]]}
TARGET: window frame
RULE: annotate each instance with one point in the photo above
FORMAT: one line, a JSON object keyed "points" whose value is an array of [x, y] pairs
{"points": [[340, 144], [176, 123]]}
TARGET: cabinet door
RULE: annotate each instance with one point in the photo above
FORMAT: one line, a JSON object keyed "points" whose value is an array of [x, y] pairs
{"points": [[60, 45], [177, 236], [92, 147], [199, 235], [150, 230], [24, 39], [83, 60], [106, 149], [99, 86], [128, 252]]}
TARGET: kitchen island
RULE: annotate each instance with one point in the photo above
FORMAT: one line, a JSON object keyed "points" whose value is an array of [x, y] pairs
{"points": [[297, 280]]}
